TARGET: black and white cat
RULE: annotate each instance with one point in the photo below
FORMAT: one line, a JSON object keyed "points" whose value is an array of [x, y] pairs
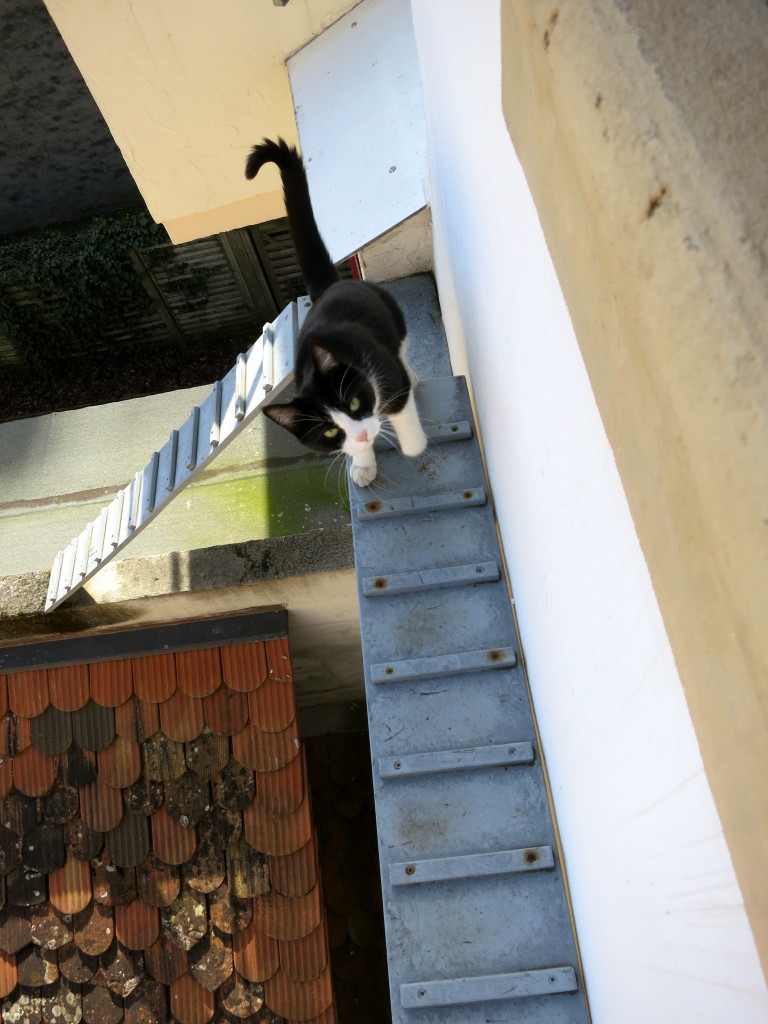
{"points": [[351, 371]]}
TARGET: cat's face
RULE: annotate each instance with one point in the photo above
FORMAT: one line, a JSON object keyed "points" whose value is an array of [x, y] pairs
{"points": [[334, 412]]}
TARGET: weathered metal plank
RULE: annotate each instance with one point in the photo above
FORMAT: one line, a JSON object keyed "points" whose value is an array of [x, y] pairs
{"points": [[379, 508], [517, 985], [497, 755], [475, 865], [444, 665], [430, 579]]}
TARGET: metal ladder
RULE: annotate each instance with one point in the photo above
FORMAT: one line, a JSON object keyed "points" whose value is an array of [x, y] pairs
{"points": [[477, 921]]}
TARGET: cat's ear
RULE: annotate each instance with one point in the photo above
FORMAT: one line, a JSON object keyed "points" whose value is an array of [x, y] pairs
{"points": [[288, 416], [324, 360]]}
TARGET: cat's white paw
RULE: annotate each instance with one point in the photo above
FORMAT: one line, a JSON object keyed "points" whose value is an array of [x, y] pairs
{"points": [[362, 475], [413, 443]]}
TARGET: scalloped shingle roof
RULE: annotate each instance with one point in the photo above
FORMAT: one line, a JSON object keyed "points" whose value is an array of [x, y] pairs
{"points": [[157, 855]]}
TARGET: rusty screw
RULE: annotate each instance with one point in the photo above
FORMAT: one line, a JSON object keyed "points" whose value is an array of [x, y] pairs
{"points": [[410, 869]]}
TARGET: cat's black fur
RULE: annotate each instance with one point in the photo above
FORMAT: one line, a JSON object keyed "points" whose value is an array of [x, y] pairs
{"points": [[350, 367]]}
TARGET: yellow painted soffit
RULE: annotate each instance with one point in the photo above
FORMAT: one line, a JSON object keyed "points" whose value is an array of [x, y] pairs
{"points": [[186, 87]]}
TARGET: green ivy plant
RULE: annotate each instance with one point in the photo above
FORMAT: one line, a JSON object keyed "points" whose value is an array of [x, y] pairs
{"points": [[64, 288]]}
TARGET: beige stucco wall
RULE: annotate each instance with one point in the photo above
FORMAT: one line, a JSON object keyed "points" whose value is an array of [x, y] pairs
{"points": [[186, 91], [643, 133]]}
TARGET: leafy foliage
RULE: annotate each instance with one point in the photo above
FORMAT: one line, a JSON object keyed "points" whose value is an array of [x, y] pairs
{"points": [[63, 289]]}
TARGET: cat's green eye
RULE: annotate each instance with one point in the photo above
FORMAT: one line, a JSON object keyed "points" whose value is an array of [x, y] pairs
{"points": [[331, 432], [354, 404]]}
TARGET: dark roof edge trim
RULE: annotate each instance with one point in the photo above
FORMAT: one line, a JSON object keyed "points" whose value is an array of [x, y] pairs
{"points": [[166, 638]]}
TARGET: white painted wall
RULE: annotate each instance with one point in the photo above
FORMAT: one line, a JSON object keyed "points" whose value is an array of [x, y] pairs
{"points": [[361, 73], [662, 927]]}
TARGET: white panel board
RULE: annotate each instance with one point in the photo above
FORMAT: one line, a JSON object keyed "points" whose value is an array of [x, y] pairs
{"points": [[357, 96], [257, 378]]}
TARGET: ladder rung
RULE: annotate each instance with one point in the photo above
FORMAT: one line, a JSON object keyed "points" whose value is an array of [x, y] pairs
{"points": [[430, 579], [379, 509], [475, 865], [437, 433], [496, 756], [444, 665], [454, 991]]}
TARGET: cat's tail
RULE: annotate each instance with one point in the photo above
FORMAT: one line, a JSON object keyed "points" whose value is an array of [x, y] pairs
{"points": [[314, 260]]}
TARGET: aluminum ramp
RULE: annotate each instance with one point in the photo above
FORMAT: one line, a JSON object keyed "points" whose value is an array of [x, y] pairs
{"points": [[477, 922]]}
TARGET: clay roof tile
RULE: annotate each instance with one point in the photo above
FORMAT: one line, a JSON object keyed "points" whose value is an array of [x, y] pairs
{"points": [[230, 913], [101, 807], [51, 731], [147, 1005], [15, 735], [15, 928], [190, 1002], [154, 677], [60, 804], [278, 834], [94, 928], [226, 711], [100, 1006], [9, 975], [210, 960], [199, 672], [75, 965], [82, 842], [37, 966], [42, 849], [244, 666], [137, 719], [158, 883], [294, 874], [284, 917], [93, 726], [111, 682], [10, 850], [20, 812], [247, 870], [119, 764], [121, 970], [33, 772], [162, 858], [49, 927], [163, 758], [69, 887], [165, 960], [128, 843], [265, 751], [256, 955], [187, 799], [207, 754], [240, 997], [283, 790], [137, 924], [68, 687], [299, 1000], [172, 842], [27, 693], [182, 717], [305, 958], [273, 707], [6, 775]]}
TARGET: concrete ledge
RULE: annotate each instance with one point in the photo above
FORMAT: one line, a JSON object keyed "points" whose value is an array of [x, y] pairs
{"points": [[642, 132]]}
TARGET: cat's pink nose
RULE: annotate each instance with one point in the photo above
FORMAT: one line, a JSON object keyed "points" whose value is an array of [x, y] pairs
{"points": [[363, 437]]}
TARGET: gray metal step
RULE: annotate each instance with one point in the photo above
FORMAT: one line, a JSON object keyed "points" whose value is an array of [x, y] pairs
{"points": [[477, 920]]}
